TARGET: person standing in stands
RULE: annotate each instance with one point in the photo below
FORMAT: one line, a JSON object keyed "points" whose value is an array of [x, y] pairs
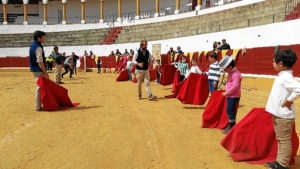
{"points": [[38, 63], [75, 58], [126, 52], [58, 65], [99, 63], [141, 59], [224, 46], [49, 62]]}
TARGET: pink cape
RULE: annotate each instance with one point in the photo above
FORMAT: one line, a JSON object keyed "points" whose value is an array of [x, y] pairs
{"points": [[53, 96], [253, 139]]}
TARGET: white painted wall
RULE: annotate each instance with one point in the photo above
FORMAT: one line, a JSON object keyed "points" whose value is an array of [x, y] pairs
{"points": [[241, 38], [11, 9]]}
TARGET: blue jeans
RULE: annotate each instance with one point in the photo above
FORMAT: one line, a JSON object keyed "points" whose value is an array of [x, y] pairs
{"points": [[211, 87], [129, 74], [157, 77], [231, 108]]}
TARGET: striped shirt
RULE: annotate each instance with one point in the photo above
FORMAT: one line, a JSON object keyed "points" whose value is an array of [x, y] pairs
{"points": [[214, 72], [182, 67]]}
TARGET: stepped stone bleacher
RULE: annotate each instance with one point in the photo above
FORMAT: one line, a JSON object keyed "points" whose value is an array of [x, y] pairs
{"points": [[266, 12], [67, 38]]}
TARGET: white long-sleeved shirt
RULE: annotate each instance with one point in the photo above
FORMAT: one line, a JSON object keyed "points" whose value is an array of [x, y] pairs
{"points": [[285, 87], [193, 69]]}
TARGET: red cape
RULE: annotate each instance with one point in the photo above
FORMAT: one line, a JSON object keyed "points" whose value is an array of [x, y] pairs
{"points": [[176, 81], [167, 75], [123, 76], [214, 115], [253, 139], [194, 90], [53, 96]]}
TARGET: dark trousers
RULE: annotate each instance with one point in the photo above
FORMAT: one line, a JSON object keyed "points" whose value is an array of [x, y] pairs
{"points": [[182, 78], [157, 77], [74, 69], [231, 108], [99, 68], [129, 74], [67, 68], [49, 66]]}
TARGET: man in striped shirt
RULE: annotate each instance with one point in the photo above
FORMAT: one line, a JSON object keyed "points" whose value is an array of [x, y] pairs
{"points": [[182, 67], [213, 73]]}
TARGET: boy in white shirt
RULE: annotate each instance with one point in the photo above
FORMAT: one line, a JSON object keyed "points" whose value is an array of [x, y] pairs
{"points": [[194, 68], [285, 90]]}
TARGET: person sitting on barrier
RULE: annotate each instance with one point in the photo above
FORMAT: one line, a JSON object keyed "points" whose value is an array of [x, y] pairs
{"points": [[179, 49], [126, 52], [112, 53], [224, 46], [193, 69], [182, 67]]}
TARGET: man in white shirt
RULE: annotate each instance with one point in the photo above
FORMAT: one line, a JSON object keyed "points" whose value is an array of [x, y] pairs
{"points": [[285, 90]]}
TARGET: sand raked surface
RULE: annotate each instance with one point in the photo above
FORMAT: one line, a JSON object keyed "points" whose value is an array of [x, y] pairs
{"points": [[111, 129]]}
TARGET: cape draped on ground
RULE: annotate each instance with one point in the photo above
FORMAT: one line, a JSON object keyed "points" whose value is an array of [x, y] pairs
{"points": [[53, 96], [253, 139]]}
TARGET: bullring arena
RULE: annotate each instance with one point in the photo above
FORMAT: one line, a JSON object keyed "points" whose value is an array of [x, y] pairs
{"points": [[111, 128]]}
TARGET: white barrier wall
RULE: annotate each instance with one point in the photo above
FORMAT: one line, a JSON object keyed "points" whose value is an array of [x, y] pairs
{"points": [[283, 33]]}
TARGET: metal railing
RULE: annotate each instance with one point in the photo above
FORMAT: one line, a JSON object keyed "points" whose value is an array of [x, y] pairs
{"points": [[289, 7]]}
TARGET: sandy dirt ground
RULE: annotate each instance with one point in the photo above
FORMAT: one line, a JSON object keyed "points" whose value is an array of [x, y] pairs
{"points": [[111, 129]]}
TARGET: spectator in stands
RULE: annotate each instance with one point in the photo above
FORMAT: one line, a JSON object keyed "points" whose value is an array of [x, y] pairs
{"points": [[38, 63], [49, 62], [141, 59], [112, 53], [182, 66], [213, 72], [99, 63], [158, 70], [193, 69], [85, 53], [92, 55], [118, 52], [224, 46], [126, 52], [215, 46], [58, 66], [131, 52], [75, 58], [179, 49], [171, 51], [219, 44], [68, 65]]}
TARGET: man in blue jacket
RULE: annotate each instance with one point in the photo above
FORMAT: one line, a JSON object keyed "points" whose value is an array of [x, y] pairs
{"points": [[38, 63]]}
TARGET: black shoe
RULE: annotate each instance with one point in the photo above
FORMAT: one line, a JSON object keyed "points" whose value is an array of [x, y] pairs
{"points": [[275, 165], [71, 78], [40, 109], [226, 130]]}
